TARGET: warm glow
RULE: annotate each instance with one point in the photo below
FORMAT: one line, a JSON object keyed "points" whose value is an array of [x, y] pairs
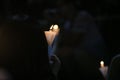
{"points": [[51, 27], [51, 34], [102, 63], [55, 27]]}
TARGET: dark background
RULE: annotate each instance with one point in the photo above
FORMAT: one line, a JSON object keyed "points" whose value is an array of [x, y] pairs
{"points": [[101, 7], [106, 13]]}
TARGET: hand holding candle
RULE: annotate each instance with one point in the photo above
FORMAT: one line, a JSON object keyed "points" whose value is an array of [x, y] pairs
{"points": [[103, 68]]}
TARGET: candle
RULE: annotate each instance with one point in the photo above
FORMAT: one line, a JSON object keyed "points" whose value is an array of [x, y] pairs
{"points": [[50, 35], [103, 68], [101, 63]]}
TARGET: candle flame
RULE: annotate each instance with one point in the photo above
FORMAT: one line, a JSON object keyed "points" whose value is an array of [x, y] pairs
{"points": [[51, 27], [102, 63], [55, 27]]}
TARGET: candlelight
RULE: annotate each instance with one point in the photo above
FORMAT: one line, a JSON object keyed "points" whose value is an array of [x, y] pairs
{"points": [[55, 27], [103, 69], [51, 34], [102, 63], [51, 27]]}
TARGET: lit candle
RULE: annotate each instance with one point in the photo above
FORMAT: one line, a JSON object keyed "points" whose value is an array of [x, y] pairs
{"points": [[50, 35], [101, 63], [103, 68]]}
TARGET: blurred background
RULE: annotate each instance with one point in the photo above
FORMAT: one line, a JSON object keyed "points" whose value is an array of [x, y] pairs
{"points": [[99, 18], [106, 15]]}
